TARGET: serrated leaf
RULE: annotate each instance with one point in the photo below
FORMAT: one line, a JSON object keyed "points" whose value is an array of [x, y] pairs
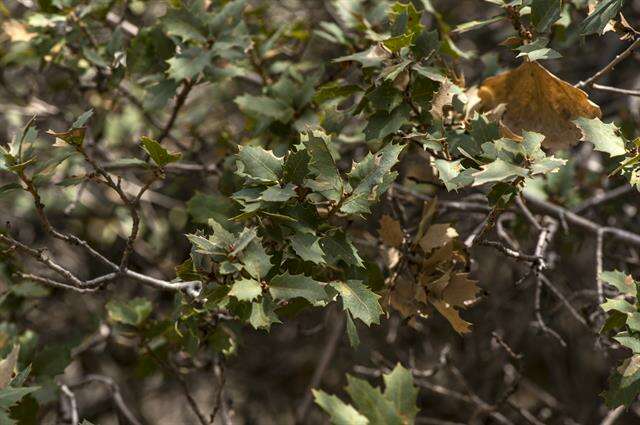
{"points": [[245, 289], [307, 246], [367, 177], [383, 123], [621, 281], [369, 58], [327, 181], [352, 332], [158, 153], [340, 412], [287, 286], [361, 301], [339, 247], [133, 312], [545, 13], [244, 239], [497, 171], [370, 401], [399, 388], [604, 136], [597, 20], [255, 260], [259, 164], [10, 396], [263, 314], [279, 194], [189, 63], [265, 106]]}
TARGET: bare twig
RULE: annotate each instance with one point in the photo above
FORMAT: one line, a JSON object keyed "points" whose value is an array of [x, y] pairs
{"points": [[116, 395], [609, 67], [70, 408], [612, 416], [323, 363], [599, 266], [616, 90], [602, 198]]}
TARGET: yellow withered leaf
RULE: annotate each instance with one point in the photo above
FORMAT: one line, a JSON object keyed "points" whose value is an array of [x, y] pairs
{"points": [[536, 100]]}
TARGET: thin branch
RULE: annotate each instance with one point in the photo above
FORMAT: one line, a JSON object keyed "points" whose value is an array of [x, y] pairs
{"points": [[599, 266], [603, 197], [609, 67], [116, 395], [323, 363], [616, 90], [516, 255], [564, 300], [612, 416], [72, 407], [180, 101]]}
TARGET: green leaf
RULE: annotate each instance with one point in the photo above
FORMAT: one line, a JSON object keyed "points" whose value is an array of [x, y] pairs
{"points": [[352, 332], [604, 136], [159, 154], [296, 167], [339, 247], [359, 300], [370, 401], [622, 390], [399, 388], [307, 246], [245, 289], [9, 187], [204, 207], [327, 181], [544, 13], [133, 312], [368, 176], [263, 314], [537, 50], [82, 119], [340, 412], [10, 396], [334, 90], [279, 194], [286, 287], [451, 174], [258, 164], [631, 342], [604, 11], [8, 365], [472, 25], [496, 171], [265, 106], [621, 281], [618, 305], [255, 260], [244, 239], [369, 58], [382, 123], [189, 63]]}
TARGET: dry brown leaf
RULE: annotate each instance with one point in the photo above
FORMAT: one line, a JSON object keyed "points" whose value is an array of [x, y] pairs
{"points": [[390, 231], [451, 314], [536, 100], [460, 290], [437, 235], [403, 296]]}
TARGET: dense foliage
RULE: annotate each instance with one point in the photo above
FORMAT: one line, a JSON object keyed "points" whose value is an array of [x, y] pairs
{"points": [[184, 181]]}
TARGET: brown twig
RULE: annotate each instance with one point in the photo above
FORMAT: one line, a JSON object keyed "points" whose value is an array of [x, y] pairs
{"points": [[609, 67]]}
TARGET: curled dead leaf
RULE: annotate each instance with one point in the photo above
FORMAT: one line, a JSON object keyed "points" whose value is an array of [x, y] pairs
{"points": [[536, 100]]}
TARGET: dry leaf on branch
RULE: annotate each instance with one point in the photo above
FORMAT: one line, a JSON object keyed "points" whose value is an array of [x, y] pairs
{"points": [[390, 231], [536, 100]]}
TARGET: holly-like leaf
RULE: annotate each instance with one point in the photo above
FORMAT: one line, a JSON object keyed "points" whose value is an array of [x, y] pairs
{"points": [[370, 401], [400, 389], [327, 181], [621, 281], [255, 260], [287, 286], [545, 13], [361, 301], [497, 171], [259, 165], [604, 136], [605, 11], [158, 153], [263, 314], [279, 194], [133, 312], [367, 178], [245, 289], [340, 412], [264, 106], [10, 396], [307, 246]]}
